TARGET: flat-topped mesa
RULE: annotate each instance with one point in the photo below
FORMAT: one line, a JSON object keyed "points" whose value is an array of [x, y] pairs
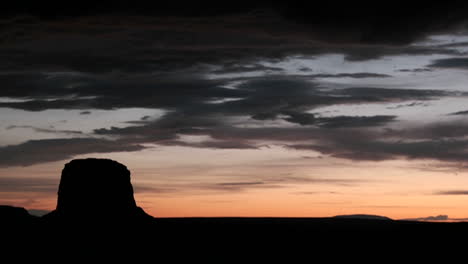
{"points": [[96, 189]]}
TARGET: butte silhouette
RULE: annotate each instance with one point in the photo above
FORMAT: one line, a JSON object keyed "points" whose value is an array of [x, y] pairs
{"points": [[96, 191]]}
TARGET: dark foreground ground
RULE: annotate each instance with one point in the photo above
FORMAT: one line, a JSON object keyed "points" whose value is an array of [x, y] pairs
{"points": [[237, 239]]}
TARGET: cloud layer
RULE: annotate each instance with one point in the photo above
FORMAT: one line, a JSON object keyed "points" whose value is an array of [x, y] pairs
{"points": [[222, 77]]}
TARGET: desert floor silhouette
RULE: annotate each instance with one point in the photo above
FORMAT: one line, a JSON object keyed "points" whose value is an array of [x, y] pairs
{"points": [[96, 212]]}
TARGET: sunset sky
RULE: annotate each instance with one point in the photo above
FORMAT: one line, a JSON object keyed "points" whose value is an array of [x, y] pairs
{"points": [[249, 110]]}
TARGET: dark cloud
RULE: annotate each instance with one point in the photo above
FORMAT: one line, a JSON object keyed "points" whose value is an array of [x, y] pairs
{"points": [[460, 113], [350, 137], [47, 150], [357, 148], [435, 131], [85, 113], [158, 62], [113, 92], [222, 144], [99, 44], [374, 23], [301, 118], [266, 98], [369, 52], [416, 70], [356, 22], [41, 105], [357, 75], [457, 63], [227, 69], [355, 121]]}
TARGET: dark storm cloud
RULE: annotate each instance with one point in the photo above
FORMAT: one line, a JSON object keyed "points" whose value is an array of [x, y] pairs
{"points": [[100, 44], [125, 60], [267, 98], [350, 138], [264, 98], [376, 22], [111, 92], [457, 63], [47, 150], [357, 21]]}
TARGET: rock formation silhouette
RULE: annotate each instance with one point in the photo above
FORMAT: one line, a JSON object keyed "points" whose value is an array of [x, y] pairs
{"points": [[17, 215], [96, 190]]}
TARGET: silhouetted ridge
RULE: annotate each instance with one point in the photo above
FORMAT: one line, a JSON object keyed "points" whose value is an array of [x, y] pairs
{"points": [[96, 189], [363, 216], [17, 215]]}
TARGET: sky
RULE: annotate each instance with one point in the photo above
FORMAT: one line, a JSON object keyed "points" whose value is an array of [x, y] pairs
{"points": [[246, 109]]}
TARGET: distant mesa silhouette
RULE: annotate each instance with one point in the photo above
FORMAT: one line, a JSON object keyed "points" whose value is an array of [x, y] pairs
{"points": [[362, 216], [93, 190]]}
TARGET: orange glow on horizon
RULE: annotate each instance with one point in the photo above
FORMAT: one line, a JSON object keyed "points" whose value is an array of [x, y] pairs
{"points": [[200, 187]]}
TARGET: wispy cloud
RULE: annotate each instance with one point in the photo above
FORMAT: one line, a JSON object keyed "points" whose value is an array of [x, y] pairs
{"points": [[452, 192], [430, 218], [34, 185], [47, 130], [460, 113]]}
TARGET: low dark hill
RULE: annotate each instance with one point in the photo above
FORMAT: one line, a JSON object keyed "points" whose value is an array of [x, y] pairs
{"points": [[363, 216]]}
